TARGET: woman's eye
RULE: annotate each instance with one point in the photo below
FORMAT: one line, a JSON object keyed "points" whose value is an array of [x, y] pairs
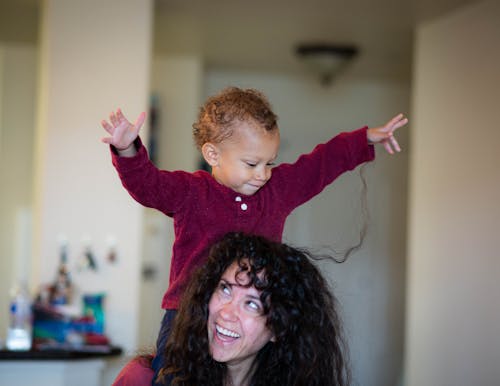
{"points": [[224, 288], [254, 305]]}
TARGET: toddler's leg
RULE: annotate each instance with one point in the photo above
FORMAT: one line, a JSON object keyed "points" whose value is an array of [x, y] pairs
{"points": [[159, 359]]}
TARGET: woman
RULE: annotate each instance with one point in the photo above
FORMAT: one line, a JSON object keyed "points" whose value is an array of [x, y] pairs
{"points": [[252, 288], [256, 313]]}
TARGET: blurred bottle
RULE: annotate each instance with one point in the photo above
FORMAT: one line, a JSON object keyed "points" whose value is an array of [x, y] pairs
{"points": [[62, 288], [19, 332], [93, 307]]}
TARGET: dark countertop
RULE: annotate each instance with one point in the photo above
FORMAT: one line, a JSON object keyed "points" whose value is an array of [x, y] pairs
{"points": [[86, 352]]}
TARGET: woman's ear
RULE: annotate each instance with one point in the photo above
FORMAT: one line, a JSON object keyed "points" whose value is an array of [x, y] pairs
{"points": [[211, 153]]}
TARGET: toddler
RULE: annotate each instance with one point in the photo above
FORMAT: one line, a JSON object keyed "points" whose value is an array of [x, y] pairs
{"points": [[238, 136]]}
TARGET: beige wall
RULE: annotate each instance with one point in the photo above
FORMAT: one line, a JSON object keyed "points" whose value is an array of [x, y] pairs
{"points": [[17, 119], [453, 335], [95, 57]]}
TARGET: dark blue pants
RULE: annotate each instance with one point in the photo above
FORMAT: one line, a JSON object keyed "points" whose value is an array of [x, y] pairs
{"points": [[159, 359]]}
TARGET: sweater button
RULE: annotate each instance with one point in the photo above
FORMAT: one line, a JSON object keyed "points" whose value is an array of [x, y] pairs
{"points": [[244, 206], [237, 199]]}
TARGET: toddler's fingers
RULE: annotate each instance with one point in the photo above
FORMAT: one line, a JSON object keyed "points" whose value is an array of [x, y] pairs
{"points": [[395, 120], [394, 143], [119, 116], [107, 140], [140, 120], [106, 126], [113, 119], [388, 147], [400, 123]]}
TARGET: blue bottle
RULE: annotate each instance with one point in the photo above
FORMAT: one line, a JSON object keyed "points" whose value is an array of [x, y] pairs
{"points": [[19, 332]]}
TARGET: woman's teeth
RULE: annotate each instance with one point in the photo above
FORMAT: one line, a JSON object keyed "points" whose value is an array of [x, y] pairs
{"points": [[226, 332]]}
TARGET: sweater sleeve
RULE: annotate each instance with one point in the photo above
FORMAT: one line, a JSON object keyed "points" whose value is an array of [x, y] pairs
{"points": [[312, 172], [159, 189]]}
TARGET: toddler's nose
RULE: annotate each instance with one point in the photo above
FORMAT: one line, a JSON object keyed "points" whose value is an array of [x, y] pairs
{"points": [[262, 174]]}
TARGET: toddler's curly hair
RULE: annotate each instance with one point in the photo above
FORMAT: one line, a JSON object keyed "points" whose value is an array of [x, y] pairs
{"points": [[221, 111]]}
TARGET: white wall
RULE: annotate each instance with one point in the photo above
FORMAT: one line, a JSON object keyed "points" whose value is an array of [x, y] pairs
{"points": [[17, 107], [95, 57], [453, 330], [371, 284]]}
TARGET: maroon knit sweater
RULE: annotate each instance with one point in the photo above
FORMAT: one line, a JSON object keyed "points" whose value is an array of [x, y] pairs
{"points": [[204, 210]]}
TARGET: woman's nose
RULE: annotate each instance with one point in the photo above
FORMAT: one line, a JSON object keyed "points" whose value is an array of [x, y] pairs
{"points": [[229, 311]]}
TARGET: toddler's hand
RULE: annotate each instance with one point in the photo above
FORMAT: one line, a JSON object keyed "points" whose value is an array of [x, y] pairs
{"points": [[123, 133], [385, 134]]}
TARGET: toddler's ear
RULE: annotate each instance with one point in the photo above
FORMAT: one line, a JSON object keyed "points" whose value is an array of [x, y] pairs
{"points": [[211, 153]]}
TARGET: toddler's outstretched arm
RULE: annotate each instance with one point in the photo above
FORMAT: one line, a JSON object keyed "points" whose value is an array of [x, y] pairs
{"points": [[123, 133], [385, 134]]}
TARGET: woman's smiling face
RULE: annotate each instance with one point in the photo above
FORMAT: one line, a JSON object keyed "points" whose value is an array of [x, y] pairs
{"points": [[236, 323]]}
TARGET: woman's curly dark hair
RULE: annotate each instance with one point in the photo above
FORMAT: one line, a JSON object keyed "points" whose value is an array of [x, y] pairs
{"points": [[219, 113], [300, 309]]}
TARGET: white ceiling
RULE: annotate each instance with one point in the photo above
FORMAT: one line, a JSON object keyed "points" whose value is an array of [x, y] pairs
{"points": [[262, 34]]}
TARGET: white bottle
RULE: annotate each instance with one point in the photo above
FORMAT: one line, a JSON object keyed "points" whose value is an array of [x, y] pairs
{"points": [[19, 332]]}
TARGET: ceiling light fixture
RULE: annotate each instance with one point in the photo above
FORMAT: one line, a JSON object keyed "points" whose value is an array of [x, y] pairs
{"points": [[326, 60]]}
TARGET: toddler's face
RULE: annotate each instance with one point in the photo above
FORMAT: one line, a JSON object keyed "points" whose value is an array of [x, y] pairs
{"points": [[246, 158]]}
